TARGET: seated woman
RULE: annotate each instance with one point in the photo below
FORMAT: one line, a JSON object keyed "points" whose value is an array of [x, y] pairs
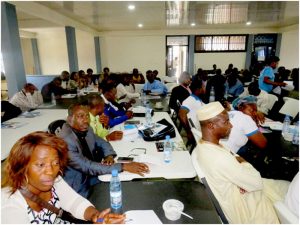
{"points": [[137, 77], [245, 121], [32, 170]]}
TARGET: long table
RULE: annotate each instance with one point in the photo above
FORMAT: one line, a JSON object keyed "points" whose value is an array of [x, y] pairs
{"points": [[150, 195], [9, 136], [180, 166]]}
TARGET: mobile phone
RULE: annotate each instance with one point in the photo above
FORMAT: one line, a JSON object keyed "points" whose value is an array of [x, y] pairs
{"points": [[159, 146], [132, 122], [125, 159]]}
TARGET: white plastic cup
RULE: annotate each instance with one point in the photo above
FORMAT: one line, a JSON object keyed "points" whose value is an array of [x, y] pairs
{"points": [[172, 209], [158, 105]]}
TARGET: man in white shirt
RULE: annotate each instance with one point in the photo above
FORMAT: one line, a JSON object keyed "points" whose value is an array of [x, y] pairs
{"points": [[123, 94], [189, 108], [28, 98], [292, 197], [241, 192]]}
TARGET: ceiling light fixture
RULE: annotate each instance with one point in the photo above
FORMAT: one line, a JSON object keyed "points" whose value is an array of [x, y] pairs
{"points": [[193, 24], [248, 23], [131, 7], [140, 25]]}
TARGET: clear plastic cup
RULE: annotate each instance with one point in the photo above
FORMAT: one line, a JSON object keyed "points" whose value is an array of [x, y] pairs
{"points": [[173, 209]]}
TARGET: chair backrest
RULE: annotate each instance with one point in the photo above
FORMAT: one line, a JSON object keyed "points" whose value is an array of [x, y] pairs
{"points": [[285, 216], [290, 107], [138, 87], [196, 133], [55, 126], [271, 100], [202, 179]]}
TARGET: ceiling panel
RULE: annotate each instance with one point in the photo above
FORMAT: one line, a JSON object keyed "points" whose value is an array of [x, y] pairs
{"points": [[156, 15]]}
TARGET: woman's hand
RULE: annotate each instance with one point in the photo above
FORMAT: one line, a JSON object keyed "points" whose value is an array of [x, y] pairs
{"points": [[105, 217]]}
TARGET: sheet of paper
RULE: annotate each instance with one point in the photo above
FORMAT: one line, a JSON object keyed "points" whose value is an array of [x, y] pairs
{"points": [[142, 217], [289, 86], [146, 158], [68, 96]]}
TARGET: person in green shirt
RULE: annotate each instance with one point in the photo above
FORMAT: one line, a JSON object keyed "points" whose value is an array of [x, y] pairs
{"points": [[99, 121]]}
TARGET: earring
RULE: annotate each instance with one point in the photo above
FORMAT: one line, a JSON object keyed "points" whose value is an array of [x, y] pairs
{"points": [[26, 179]]}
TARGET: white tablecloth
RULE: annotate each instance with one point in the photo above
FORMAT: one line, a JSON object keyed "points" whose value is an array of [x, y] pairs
{"points": [[9, 136], [179, 167]]}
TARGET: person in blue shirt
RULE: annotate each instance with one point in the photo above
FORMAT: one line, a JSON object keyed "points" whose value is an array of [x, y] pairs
{"points": [[154, 86], [233, 86], [267, 77], [115, 113]]}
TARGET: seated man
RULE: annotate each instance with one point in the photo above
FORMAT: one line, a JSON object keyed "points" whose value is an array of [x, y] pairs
{"points": [[89, 155], [245, 121], [65, 78], [53, 87], [180, 92], [122, 93], [28, 98], [191, 105], [154, 86], [241, 192], [292, 196], [155, 73], [116, 113], [263, 104], [99, 121]]}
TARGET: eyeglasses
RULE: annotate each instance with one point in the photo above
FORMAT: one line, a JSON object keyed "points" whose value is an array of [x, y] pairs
{"points": [[137, 151]]}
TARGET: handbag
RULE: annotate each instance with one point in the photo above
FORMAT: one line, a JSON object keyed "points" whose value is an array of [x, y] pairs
{"points": [[61, 214], [147, 134]]}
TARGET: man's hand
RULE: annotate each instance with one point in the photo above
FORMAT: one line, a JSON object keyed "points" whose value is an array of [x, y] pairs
{"points": [[134, 167], [281, 84], [147, 92], [132, 101], [129, 114], [108, 160], [104, 120], [114, 136], [240, 159]]}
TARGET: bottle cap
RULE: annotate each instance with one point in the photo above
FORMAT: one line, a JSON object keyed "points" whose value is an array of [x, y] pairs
{"points": [[114, 173], [168, 137]]}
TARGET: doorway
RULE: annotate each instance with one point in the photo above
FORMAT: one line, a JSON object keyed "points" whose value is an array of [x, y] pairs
{"points": [[177, 55]]}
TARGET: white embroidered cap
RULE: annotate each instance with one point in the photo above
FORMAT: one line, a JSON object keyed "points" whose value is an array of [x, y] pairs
{"points": [[209, 111]]}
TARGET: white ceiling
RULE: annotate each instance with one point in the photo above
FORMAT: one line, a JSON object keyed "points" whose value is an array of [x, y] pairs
{"points": [[101, 16]]}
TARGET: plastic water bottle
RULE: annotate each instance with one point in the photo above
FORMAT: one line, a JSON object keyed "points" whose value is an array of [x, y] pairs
{"points": [[286, 125], [143, 98], [53, 100], [212, 95], [168, 147], [115, 192], [148, 116], [296, 134]]}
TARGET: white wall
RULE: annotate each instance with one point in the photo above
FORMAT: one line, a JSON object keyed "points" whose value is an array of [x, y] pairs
{"points": [[122, 54], [85, 50], [27, 56], [206, 60], [289, 51], [53, 50]]}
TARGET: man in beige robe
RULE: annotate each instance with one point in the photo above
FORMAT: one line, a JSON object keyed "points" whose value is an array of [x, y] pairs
{"points": [[242, 194]]}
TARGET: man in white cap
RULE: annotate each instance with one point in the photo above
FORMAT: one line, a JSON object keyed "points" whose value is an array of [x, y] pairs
{"points": [[243, 195]]}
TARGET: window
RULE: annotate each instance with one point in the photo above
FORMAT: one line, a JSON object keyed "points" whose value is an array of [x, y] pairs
{"points": [[221, 43]]}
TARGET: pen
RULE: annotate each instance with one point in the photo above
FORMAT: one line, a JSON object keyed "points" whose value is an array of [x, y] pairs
{"points": [[100, 220]]}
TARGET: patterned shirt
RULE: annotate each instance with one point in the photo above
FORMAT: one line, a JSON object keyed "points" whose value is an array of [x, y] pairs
{"points": [[45, 216]]}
